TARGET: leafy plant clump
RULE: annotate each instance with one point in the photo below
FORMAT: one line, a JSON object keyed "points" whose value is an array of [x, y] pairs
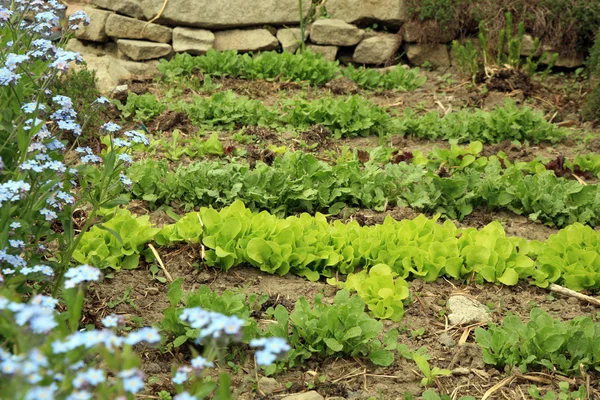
{"points": [[304, 66], [398, 78], [338, 329], [141, 108], [80, 86], [226, 110], [381, 289], [503, 123], [451, 182], [226, 303], [591, 110], [351, 117], [117, 243], [543, 342]]}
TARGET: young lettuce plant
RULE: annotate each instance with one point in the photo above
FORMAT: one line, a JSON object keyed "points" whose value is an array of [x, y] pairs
{"points": [[380, 288]]}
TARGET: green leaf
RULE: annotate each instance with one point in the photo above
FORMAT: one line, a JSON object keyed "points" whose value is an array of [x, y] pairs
{"points": [[175, 293], [382, 357], [333, 344], [180, 340], [509, 277], [351, 333]]}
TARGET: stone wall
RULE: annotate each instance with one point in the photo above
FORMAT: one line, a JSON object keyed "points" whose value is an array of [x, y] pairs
{"points": [[195, 26]]}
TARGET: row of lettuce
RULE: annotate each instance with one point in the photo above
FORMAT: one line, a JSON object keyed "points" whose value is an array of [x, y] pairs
{"points": [[451, 182], [312, 247], [305, 67], [350, 117]]}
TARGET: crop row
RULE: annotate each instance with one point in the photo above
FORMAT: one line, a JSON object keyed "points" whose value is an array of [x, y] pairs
{"points": [[353, 116], [298, 182], [271, 66], [312, 247]]}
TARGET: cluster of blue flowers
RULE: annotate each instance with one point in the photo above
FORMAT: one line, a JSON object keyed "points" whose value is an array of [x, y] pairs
{"points": [[271, 349], [36, 366], [212, 324]]}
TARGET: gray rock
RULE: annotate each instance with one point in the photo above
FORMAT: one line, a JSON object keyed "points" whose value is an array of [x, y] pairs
{"points": [[527, 45], [193, 41], [335, 32], [268, 385], [436, 54], [95, 30], [223, 14], [376, 50], [312, 395], [132, 8], [466, 311], [573, 60], [327, 52], [110, 72], [245, 40], [393, 12], [140, 50], [120, 27], [290, 38]]}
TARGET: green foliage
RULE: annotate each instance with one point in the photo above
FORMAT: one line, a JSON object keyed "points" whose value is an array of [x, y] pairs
{"points": [[503, 123], [304, 66], [310, 247], [141, 107], [563, 394], [508, 52], [117, 243], [591, 109], [194, 147], [593, 62], [380, 289], [571, 258], [543, 342], [226, 110], [227, 303], [441, 11], [298, 182], [354, 116], [429, 373], [295, 182], [399, 78], [270, 66], [338, 329], [80, 86]]}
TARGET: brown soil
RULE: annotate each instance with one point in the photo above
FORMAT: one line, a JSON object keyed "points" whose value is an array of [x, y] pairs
{"points": [[142, 300], [349, 378]]}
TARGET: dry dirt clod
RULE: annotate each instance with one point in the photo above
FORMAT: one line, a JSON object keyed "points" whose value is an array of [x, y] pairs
{"points": [[465, 311], [446, 340]]}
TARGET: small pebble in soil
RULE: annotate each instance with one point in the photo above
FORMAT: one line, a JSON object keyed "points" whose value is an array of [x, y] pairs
{"points": [[312, 395], [268, 385], [152, 368], [465, 311], [461, 371]]}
